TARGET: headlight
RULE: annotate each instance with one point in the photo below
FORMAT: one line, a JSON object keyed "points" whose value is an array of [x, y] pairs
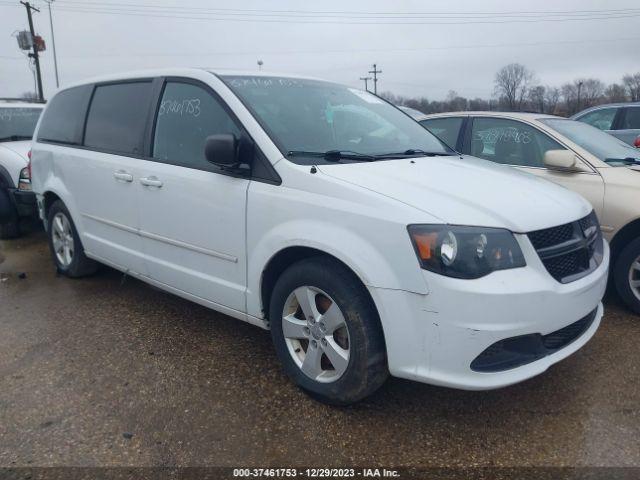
{"points": [[465, 252]]}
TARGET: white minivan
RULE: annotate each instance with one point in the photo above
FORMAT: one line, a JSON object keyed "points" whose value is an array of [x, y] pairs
{"points": [[326, 215]]}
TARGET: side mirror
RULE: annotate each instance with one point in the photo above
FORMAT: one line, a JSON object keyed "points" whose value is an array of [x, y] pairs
{"points": [[564, 159], [222, 150]]}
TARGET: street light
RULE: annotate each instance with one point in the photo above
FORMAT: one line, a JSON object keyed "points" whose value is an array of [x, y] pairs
{"points": [[53, 43]]}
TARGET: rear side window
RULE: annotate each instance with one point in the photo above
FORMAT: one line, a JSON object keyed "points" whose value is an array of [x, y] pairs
{"points": [[446, 129], [117, 117], [631, 119], [64, 116], [188, 114], [602, 119]]}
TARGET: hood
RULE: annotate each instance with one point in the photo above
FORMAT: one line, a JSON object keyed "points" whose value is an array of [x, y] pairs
{"points": [[467, 191], [21, 148]]}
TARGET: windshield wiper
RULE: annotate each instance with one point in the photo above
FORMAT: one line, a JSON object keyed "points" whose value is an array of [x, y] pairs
{"points": [[414, 152], [333, 155], [628, 160], [15, 138]]}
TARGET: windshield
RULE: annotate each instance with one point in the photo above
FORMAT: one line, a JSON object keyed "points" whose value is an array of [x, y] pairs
{"points": [[307, 116], [602, 145], [18, 123]]}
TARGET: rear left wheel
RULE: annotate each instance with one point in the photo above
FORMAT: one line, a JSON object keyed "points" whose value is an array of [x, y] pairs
{"points": [[64, 242]]}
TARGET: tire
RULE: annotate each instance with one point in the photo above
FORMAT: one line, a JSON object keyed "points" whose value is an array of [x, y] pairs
{"points": [[71, 260], [623, 275], [329, 284], [9, 230], [9, 226]]}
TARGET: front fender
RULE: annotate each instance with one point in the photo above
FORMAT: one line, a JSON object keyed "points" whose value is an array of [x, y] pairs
{"points": [[395, 268]]}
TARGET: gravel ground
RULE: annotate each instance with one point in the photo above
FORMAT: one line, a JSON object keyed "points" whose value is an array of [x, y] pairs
{"points": [[108, 371]]}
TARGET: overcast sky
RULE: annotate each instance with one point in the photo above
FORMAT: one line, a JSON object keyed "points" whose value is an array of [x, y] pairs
{"points": [[424, 48]]}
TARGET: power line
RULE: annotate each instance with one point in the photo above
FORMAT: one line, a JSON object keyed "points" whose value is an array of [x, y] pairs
{"points": [[352, 12], [253, 19], [354, 51]]}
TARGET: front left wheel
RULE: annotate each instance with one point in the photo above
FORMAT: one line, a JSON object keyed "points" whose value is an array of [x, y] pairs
{"points": [[65, 245], [327, 332]]}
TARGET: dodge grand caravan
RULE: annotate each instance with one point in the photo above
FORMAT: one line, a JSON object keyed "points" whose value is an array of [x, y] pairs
{"points": [[326, 215]]}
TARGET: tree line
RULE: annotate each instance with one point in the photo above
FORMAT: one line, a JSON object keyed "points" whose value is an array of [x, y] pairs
{"points": [[517, 88]]}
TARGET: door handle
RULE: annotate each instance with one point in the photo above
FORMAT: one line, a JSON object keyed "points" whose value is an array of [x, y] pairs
{"points": [[123, 176], [151, 182]]}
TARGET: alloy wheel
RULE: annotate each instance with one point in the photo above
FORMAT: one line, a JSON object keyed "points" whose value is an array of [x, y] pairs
{"points": [[634, 277], [62, 239], [316, 334]]}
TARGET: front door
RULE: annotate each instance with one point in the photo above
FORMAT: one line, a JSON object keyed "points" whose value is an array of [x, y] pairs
{"points": [[192, 215]]}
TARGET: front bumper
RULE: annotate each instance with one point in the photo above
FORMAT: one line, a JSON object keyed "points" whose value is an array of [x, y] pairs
{"points": [[434, 338]]}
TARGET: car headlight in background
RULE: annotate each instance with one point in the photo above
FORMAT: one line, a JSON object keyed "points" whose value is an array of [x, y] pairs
{"points": [[465, 252]]}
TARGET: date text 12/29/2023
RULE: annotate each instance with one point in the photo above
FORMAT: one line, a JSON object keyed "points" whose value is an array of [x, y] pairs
{"points": [[315, 473]]}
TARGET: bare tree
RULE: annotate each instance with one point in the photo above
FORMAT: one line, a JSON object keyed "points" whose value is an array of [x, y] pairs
{"points": [[592, 92], [582, 93], [632, 83], [616, 93], [512, 84], [536, 97], [551, 99]]}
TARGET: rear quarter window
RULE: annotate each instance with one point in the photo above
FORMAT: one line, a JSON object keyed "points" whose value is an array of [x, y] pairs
{"points": [[446, 129], [117, 117], [63, 118]]}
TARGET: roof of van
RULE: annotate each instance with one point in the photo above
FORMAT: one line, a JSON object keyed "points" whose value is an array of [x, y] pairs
{"points": [[181, 72]]}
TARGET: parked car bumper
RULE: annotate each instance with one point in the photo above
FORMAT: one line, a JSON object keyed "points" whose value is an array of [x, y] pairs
{"points": [[25, 203], [435, 338]]}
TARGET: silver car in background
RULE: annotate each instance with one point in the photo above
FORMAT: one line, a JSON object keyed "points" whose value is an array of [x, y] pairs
{"points": [[622, 120]]}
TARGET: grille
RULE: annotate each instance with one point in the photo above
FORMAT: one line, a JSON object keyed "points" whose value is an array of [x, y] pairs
{"points": [[570, 251], [517, 351], [551, 236], [564, 266]]}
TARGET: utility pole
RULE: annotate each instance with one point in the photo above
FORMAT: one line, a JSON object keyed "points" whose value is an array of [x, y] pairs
{"points": [[366, 85], [53, 43], [34, 55], [579, 90], [375, 72]]}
